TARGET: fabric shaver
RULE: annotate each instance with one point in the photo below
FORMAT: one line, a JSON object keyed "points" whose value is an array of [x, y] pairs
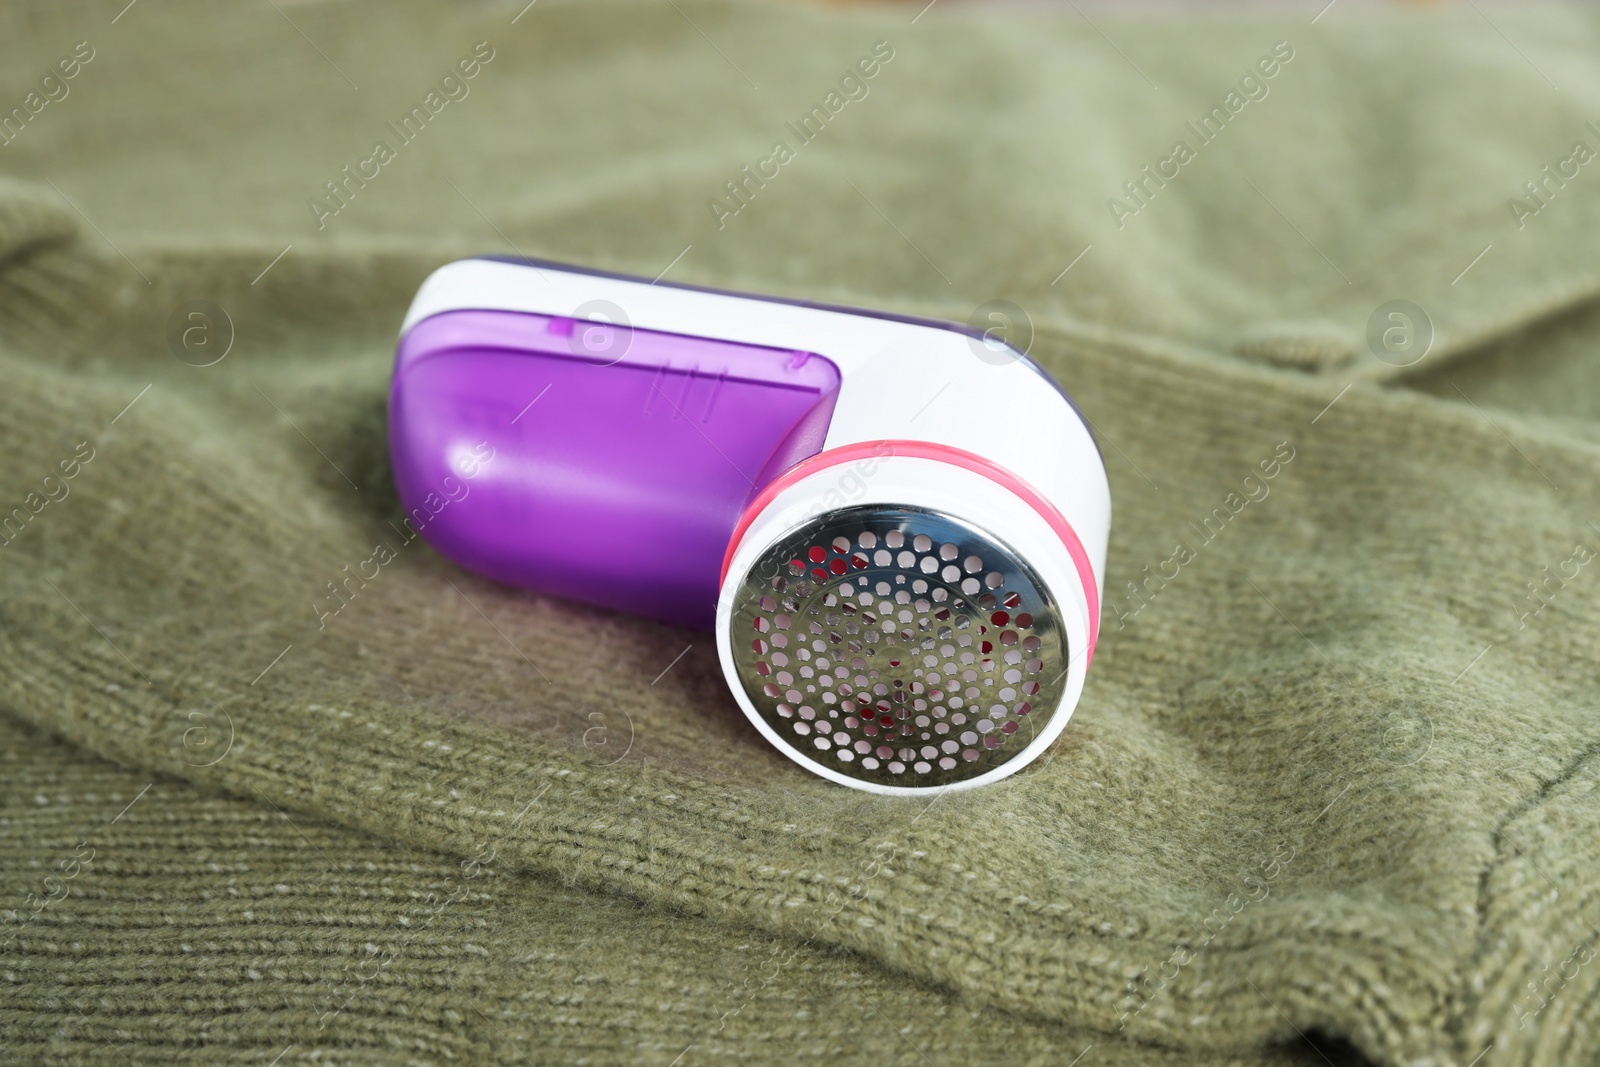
{"points": [[896, 527]]}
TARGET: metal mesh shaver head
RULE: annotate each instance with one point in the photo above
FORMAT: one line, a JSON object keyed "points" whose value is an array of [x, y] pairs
{"points": [[899, 647]]}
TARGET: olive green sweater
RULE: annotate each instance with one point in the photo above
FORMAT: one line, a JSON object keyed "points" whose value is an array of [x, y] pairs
{"points": [[1333, 789]]}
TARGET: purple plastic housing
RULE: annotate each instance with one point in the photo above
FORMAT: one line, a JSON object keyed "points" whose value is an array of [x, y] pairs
{"points": [[595, 462]]}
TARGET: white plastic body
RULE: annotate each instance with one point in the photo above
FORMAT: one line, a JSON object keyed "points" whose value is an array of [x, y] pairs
{"points": [[899, 381]]}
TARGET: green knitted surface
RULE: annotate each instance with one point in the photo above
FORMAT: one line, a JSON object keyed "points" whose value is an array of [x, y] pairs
{"points": [[1336, 773]]}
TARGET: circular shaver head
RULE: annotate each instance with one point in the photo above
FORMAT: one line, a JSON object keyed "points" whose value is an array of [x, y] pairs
{"points": [[899, 647]]}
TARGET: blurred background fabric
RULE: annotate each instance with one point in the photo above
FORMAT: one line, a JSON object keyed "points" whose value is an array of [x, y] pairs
{"points": [[1333, 790]]}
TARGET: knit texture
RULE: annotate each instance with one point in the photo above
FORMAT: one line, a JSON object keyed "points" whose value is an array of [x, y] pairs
{"points": [[1336, 770]]}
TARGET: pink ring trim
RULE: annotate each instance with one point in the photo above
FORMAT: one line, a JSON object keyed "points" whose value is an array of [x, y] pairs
{"points": [[942, 454]]}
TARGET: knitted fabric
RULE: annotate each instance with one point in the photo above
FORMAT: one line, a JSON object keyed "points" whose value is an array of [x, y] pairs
{"points": [[1336, 770]]}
